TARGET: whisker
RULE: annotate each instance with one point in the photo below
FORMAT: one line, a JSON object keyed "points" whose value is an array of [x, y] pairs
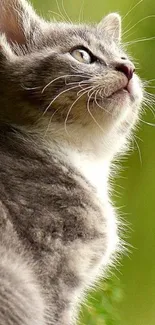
{"points": [[150, 110], [126, 30], [138, 138], [150, 87], [151, 16], [99, 104], [64, 76], [53, 115], [88, 108], [50, 120], [30, 88], [149, 96], [150, 101], [139, 151], [130, 10], [65, 12], [96, 102], [84, 82], [85, 73], [81, 12], [62, 92], [60, 12], [56, 13], [146, 92], [147, 82], [66, 119], [82, 90], [147, 123], [139, 40]]}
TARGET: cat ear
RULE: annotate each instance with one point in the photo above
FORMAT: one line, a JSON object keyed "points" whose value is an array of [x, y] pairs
{"points": [[110, 26], [17, 21]]}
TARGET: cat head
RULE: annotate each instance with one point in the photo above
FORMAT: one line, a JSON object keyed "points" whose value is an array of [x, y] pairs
{"points": [[68, 77]]}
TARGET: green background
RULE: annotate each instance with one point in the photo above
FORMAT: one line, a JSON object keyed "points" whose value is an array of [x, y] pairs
{"points": [[128, 297]]}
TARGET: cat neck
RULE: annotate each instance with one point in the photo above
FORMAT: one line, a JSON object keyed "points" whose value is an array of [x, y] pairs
{"points": [[95, 169], [88, 155]]}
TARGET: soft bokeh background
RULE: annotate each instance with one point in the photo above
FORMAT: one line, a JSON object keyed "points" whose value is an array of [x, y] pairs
{"points": [[128, 297]]}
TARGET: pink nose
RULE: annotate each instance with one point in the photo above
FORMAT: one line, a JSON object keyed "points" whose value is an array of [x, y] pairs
{"points": [[127, 68]]}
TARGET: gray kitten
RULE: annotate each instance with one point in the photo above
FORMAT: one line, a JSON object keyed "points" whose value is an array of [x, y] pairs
{"points": [[69, 98]]}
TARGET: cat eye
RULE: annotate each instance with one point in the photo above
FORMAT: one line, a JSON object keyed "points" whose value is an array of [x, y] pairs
{"points": [[82, 56]]}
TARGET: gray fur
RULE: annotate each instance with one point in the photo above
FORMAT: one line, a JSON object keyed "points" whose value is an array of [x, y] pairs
{"points": [[54, 237]]}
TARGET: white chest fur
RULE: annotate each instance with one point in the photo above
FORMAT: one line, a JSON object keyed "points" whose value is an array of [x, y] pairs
{"points": [[96, 171]]}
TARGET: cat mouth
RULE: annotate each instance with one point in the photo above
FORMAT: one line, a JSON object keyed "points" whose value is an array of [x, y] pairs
{"points": [[126, 90], [129, 87], [118, 87], [120, 93]]}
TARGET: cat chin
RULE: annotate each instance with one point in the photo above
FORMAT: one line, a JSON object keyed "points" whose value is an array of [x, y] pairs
{"points": [[128, 99], [130, 95], [125, 99]]}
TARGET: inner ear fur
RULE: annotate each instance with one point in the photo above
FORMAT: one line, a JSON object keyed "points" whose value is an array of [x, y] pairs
{"points": [[17, 20], [110, 26]]}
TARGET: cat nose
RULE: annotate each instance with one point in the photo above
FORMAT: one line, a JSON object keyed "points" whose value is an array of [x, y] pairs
{"points": [[127, 68]]}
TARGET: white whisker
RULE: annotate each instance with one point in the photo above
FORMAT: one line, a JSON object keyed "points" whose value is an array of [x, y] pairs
{"points": [[56, 13], [151, 16], [81, 12], [139, 151], [30, 88], [76, 70], [140, 40], [65, 12], [79, 92], [60, 12], [150, 109], [50, 120], [98, 103], [62, 92], [147, 123], [64, 76], [130, 10], [88, 108], [84, 82], [77, 99]]}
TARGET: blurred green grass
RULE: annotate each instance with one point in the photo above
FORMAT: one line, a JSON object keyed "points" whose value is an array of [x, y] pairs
{"points": [[129, 297], [101, 305]]}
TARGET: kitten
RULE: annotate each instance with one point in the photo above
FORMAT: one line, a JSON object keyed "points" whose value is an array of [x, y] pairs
{"points": [[69, 98]]}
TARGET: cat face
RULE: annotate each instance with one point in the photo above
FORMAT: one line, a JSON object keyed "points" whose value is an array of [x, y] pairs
{"points": [[69, 74], [91, 72]]}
